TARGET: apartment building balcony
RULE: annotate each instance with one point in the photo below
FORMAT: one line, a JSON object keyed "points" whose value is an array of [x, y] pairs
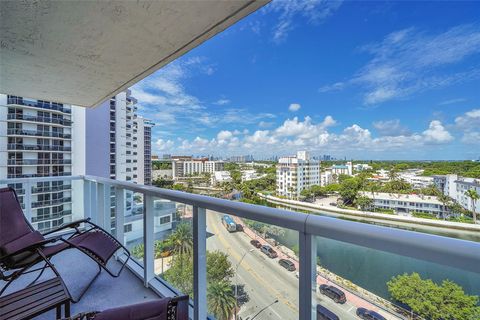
{"points": [[39, 133], [298, 297], [53, 202], [37, 119], [34, 162], [58, 188], [51, 106], [37, 147]]}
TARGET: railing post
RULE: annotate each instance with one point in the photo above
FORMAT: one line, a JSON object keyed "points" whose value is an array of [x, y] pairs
{"points": [[307, 276], [87, 199], [93, 202], [148, 239], [119, 214], [27, 200], [200, 263], [101, 205]]}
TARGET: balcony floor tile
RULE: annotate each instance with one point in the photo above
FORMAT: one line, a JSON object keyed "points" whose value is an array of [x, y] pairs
{"points": [[106, 292]]}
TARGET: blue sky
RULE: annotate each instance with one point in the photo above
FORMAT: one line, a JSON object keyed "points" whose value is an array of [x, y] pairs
{"points": [[363, 80]]}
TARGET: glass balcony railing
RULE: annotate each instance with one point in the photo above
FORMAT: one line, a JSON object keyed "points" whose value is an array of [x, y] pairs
{"points": [[38, 104], [38, 133], [17, 116], [53, 202], [22, 162], [268, 263], [51, 188], [37, 147]]}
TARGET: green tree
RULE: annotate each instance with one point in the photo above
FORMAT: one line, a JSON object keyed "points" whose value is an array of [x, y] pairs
{"points": [[349, 190], [364, 202], [221, 300], [163, 183], [393, 174], [447, 301], [474, 196], [182, 239], [219, 267]]}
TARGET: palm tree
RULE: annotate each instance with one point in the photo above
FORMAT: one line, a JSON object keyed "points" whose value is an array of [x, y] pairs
{"points": [[182, 239], [445, 200], [392, 174], [474, 196], [221, 300]]}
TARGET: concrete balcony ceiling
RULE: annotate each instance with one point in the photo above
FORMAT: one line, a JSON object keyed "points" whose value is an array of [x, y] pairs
{"points": [[83, 52]]}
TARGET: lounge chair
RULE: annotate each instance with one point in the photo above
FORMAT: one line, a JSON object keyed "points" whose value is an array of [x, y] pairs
{"points": [[22, 247], [163, 309]]}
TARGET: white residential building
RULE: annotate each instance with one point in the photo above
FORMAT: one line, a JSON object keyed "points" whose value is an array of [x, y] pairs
{"points": [[456, 186], [362, 167], [339, 169], [221, 176], [144, 146], [36, 140], [406, 203], [297, 173], [415, 179], [183, 166], [326, 178]]}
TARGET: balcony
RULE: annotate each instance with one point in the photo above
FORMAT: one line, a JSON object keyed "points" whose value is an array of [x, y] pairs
{"points": [[37, 147], [30, 162], [39, 104], [38, 133], [22, 117], [358, 258]]}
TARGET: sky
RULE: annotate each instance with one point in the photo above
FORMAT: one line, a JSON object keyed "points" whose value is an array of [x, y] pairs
{"points": [[362, 80]]}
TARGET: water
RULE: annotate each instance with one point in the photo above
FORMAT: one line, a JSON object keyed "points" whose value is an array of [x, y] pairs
{"points": [[372, 269]]}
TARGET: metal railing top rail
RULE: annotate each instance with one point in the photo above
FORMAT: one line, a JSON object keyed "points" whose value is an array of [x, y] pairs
{"points": [[452, 252]]}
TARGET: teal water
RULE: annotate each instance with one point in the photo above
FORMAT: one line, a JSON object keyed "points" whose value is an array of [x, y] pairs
{"points": [[372, 269]]}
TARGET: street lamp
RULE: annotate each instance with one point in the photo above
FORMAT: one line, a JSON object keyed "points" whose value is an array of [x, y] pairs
{"points": [[265, 308], [236, 280]]}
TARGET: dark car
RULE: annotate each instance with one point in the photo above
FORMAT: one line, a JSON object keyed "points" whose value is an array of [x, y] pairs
{"points": [[369, 314], [256, 243], [269, 251], [333, 293], [239, 227], [325, 314], [287, 264]]}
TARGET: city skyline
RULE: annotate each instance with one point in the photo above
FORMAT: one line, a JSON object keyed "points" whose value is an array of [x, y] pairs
{"points": [[358, 81]]}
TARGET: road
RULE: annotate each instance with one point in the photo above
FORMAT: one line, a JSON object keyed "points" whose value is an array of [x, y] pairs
{"points": [[264, 279]]}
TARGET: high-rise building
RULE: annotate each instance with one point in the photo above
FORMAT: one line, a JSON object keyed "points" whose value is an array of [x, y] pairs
{"points": [[144, 159], [296, 173], [36, 141]]}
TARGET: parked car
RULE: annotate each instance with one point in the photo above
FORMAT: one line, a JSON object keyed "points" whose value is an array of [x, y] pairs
{"points": [[333, 293], [256, 243], [269, 251], [333, 204], [287, 264], [369, 314], [325, 314], [239, 227]]}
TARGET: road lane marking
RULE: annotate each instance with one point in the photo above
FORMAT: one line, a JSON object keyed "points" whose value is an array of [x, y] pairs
{"points": [[237, 256]]}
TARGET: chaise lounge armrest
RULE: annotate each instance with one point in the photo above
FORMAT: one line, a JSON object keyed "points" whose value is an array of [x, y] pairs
{"points": [[70, 225]]}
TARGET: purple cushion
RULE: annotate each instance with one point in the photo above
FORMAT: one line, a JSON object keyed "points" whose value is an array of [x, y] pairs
{"points": [[151, 310], [12, 220], [22, 242], [97, 242]]}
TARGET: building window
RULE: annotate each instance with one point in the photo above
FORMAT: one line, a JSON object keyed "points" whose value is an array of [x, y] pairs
{"points": [[127, 228], [165, 219]]}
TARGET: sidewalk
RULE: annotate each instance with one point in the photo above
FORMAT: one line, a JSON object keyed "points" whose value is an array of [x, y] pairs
{"points": [[324, 276]]}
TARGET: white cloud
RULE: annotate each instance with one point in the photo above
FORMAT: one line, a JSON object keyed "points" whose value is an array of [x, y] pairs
{"points": [[452, 101], [294, 107], [164, 145], [436, 133], [390, 128], [469, 124], [222, 102], [315, 11], [410, 61]]}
